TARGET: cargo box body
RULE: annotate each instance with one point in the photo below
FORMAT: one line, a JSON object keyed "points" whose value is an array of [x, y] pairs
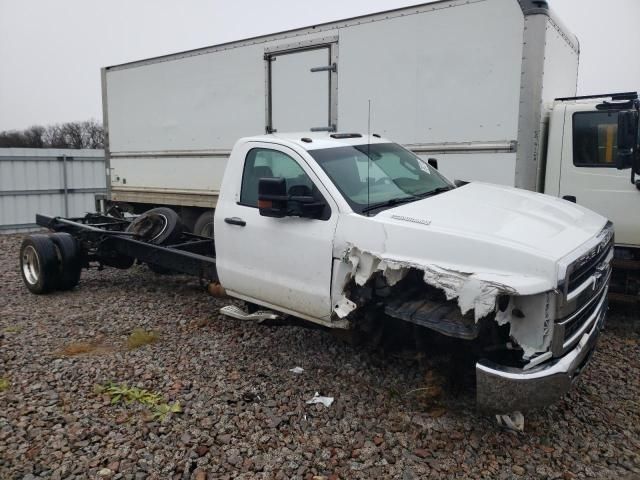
{"points": [[465, 81]]}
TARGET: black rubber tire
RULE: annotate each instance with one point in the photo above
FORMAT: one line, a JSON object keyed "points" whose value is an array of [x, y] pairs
{"points": [[172, 231], [70, 266], [204, 224], [39, 265]]}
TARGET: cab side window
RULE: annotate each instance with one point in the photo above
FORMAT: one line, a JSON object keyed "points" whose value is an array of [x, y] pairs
{"points": [[263, 162], [595, 138]]}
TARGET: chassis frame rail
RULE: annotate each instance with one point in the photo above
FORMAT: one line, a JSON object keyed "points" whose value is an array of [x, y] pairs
{"points": [[102, 237]]}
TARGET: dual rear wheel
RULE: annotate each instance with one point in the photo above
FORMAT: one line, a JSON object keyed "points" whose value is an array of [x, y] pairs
{"points": [[50, 262]]}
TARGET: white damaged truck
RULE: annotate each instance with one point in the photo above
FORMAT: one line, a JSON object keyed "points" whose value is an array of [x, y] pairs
{"points": [[353, 231]]}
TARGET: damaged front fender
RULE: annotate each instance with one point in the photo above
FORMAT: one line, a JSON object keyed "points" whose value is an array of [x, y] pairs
{"points": [[476, 295], [473, 291]]}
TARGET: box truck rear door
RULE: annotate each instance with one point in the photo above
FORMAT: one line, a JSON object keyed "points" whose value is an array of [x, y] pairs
{"points": [[299, 90]]}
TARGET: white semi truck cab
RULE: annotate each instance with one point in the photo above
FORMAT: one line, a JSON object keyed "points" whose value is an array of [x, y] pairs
{"points": [[355, 232]]}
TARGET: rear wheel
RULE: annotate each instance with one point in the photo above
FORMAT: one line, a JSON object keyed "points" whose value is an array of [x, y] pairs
{"points": [[204, 224], [69, 260], [39, 265]]}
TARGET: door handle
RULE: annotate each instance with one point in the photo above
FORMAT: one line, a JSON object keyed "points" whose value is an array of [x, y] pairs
{"points": [[235, 221], [329, 68]]}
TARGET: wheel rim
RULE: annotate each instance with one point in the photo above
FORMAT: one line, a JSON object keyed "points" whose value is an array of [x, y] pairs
{"points": [[30, 265], [150, 227], [165, 223]]}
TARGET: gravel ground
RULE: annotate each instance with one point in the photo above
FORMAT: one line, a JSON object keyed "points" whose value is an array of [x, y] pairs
{"points": [[244, 413]]}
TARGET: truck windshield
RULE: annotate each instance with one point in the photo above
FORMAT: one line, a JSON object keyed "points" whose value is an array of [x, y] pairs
{"points": [[395, 175]]}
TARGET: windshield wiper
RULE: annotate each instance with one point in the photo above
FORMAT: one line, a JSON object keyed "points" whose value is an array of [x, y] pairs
{"points": [[435, 191], [390, 203], [397, 201]]}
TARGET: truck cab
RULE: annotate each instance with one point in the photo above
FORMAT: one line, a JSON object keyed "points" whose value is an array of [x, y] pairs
{"points": [[583, 143], [342, 228], [583, 165]]}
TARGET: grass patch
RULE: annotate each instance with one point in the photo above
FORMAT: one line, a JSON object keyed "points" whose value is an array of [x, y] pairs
{"points": [[140, 337], [158, 407], [4, 384], [77, 348]]}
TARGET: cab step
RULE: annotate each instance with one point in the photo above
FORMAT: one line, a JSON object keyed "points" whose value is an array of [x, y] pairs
{"points": [[236, 312]]}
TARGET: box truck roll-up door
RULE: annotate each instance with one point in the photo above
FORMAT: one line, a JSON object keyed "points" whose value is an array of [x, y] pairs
{"points": [[300, 90]]}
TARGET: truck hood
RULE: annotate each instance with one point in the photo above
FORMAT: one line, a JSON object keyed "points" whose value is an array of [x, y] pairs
{"points": [[517, 219], [484, 237]]}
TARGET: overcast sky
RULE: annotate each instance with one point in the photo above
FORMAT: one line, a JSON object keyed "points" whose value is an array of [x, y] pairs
{"points": [[51, 51]]}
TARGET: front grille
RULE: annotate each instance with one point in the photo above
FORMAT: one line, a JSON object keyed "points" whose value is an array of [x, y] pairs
{"points": [[576, 323], [567, 331], [585, 285], [586, 266]]}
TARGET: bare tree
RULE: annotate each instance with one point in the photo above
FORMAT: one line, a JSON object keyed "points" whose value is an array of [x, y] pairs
{"points": [[53, 137], [12, 138], [87, 134], [33, 136], [72, 132], [94, 134]]}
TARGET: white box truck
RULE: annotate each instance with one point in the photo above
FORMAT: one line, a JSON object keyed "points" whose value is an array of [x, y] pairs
{"points": [[485, 86]]}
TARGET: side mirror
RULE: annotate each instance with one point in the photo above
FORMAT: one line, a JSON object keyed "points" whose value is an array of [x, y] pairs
{"points": [[302, 203], [627, 139], [272, 197], [433, 162]]}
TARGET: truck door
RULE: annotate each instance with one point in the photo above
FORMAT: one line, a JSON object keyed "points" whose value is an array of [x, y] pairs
{"points": [[301, 89], [588, 171], [282, 262]]}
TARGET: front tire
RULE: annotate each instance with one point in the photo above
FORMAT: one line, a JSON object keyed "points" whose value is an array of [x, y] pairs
{"points": [[39, 264]]}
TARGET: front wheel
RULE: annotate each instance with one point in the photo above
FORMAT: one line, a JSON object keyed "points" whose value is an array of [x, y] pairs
{"points": [[39, 264]]}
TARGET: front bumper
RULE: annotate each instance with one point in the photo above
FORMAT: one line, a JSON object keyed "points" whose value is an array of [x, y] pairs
{"points": [[506, 389]]}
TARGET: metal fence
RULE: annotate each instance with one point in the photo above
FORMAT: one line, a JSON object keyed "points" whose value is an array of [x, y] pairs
{"points": [[49, 181]]}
